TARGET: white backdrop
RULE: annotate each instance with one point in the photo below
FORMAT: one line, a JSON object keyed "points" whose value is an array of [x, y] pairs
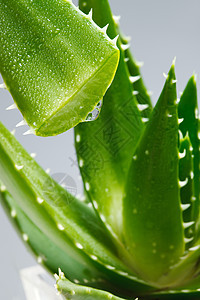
{"points": [[160, 30]]}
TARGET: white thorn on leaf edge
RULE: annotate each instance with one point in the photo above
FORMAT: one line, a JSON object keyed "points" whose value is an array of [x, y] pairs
{"points": [[165, 75], [180, 134], [125, 46], [56, 277], [174, 81], [104, 29], [116, 19], [145, 120], [40, 200], [185, 206], [142, 107], [30, 131], [134, 78], [182, 154], [194, 248], [13, 132], [180, 120], [187, 224], [183, 183], [186, 240], [115, 40], [21, 123], [13, 106], [140, 64], [3, 86], [90, 14], [19, 167], [48, 170]]}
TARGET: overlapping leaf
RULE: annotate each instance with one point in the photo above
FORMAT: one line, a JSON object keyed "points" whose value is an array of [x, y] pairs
{"points": [[105, 147]]}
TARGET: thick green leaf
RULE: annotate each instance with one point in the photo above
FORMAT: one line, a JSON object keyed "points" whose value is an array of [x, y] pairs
{"points": [[74, 218], [187, 109], [52, 257], [55, 61], [153, 228], [70, 224], [77, 292], [105, 147], [44, 249], [175, 295], [141, 92], [186, 192]]}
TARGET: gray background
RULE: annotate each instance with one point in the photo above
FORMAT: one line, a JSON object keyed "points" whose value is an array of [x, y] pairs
{"points": [[160, 30]]}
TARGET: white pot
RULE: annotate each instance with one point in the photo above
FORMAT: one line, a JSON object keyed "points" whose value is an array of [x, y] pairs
{"points": [[38, 285]]}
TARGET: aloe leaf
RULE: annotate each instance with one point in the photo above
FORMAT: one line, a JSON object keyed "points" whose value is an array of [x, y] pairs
{"points": [[152, 213], [73, 291], [188, 111], [53, 257], [56, 62], [70, 224], [105, 147], [72, 217], [186, 192], [184, 294], [141, 92], [45, 250]]}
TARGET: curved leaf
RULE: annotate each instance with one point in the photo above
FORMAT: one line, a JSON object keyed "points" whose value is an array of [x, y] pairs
{"points": [[73, 291], [42, 195], [70, 224], [186, 192], [187, 109], [142, 94], [105, 147], [44, 249]]}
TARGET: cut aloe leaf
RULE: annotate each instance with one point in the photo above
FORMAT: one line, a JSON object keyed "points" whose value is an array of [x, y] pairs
{"points": [[54, 75], [105, 147], [188, 111], [153, 226]]}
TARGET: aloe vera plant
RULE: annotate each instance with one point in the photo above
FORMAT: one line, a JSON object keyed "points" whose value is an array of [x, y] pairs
{"points": [[140, 237]]}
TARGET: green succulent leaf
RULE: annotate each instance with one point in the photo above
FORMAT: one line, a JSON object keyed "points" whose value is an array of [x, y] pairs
{"points": [[175, 295], [141, 92], [67, 222], [77, 292], [188, 112], [186, 192], [153, 226], [70, 216], [105, 147], [54, 75], [44, 249]]}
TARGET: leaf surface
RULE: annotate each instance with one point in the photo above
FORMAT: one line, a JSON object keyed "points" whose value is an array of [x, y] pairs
{"points": [[188, 111], [105, 147], [55, 61], [153, 226]]}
